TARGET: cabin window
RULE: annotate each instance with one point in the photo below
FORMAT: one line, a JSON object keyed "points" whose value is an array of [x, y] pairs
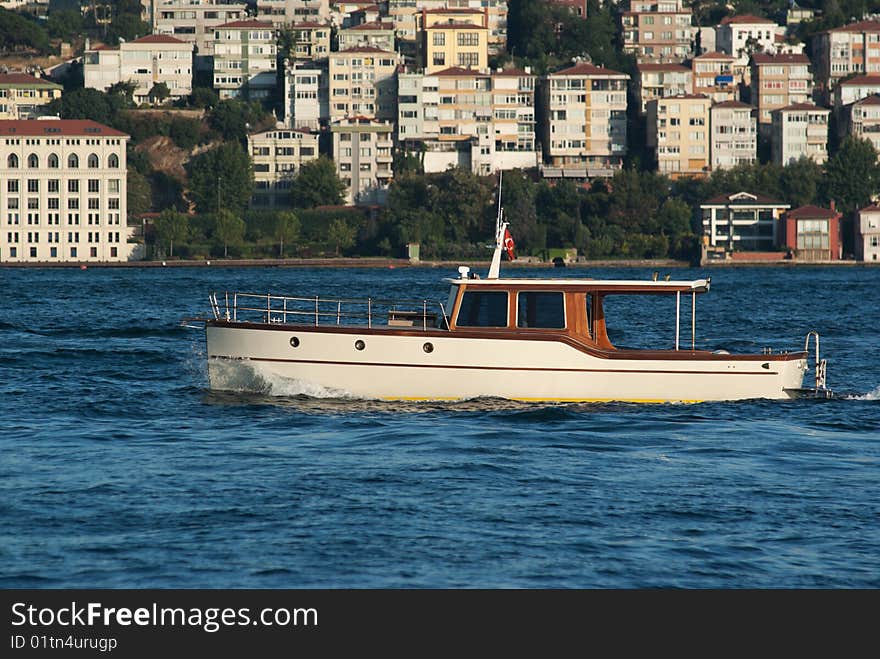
{"points": [[483, 309], [540, 309]]}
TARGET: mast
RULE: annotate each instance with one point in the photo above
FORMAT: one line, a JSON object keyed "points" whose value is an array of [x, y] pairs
{"points": [[500, 228]]}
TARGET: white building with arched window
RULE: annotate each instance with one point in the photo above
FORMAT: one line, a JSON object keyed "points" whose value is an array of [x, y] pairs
{"points": [[62, 192]]}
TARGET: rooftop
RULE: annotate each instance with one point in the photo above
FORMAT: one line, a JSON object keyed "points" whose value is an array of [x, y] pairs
{"points": [[811, 211], [861, 81], [781, 58], [587, 69], [158, 38], [732, 104], [247, 24], [25, 80], [55, 127], [744, 198], [746, 19]]}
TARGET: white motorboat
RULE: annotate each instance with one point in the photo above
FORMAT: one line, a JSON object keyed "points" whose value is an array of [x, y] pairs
{"points": [[515, 338]]}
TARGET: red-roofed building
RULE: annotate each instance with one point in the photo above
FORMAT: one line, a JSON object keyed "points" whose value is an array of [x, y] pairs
{"points": [[741, 36], [862, 120], [812, 233], [284, 13], [843, 51], [678, 132], [658, 31], [856, 88], [376, 34], [716, 76], [194, 22], [659, 80], [63, 195], [311, 41], [145, 62], [362, 153], [585, 126], [800, 130], [734, 134], [23, 97], [245, 59], [455, 38], [363, 82], [778, 81]]}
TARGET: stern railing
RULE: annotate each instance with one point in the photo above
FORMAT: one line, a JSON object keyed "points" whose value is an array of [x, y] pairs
{"points": [[318, 311]]}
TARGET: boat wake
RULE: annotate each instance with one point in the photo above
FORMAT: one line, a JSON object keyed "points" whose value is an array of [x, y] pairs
{"points": [[871, 395], [249, 377]]}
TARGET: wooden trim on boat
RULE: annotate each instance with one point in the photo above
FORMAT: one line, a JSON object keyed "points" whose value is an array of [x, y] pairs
{"points": [[508, 334], [327, 362]]}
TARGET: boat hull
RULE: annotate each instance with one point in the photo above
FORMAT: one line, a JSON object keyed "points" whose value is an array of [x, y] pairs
{"points": [[437, 365]]}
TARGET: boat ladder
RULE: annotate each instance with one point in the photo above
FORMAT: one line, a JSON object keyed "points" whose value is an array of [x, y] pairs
{"points": [[819, 367]]}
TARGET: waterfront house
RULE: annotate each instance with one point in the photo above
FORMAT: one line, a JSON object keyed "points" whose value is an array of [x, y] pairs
{"points": [[812, 233], [868, 234], [742, 221]]}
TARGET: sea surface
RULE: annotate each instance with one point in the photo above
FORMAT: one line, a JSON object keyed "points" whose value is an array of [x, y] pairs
{"points": [[120, 469]]}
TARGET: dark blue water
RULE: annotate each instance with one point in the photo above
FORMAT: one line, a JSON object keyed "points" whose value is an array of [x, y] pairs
{"points": [[119, 469]]}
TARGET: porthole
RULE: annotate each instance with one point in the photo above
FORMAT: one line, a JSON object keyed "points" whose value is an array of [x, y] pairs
{"points": [[294, 342], [360, 345], [428, 347]]}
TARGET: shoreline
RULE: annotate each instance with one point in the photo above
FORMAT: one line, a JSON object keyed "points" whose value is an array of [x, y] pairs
{"points": [[390, 263]]}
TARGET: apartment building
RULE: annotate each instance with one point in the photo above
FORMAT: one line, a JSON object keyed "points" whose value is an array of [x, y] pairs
{"points": [[854, 89], [678, 131], [778, 81], [585, 127], [24, 97], [277, 154], [408, 18], [311, 40], [459, 40], [145, 62], [867, 241], [862, 120], [715, 76], [245, 59], [481, 120], [800, 130], [660, 80], [194, 21], [742, 221], [363, 83], [285, 13], [734, 138], [658, 30], [742, 36], [62, 192], [840, 52], [375, 34], [362, 153], [307, 95]]}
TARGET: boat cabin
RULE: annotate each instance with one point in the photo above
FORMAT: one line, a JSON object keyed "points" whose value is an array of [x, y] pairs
{"points": [[571, 307]]}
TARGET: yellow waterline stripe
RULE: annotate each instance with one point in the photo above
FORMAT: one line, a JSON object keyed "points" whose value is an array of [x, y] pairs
{"points": [[549, 400]]}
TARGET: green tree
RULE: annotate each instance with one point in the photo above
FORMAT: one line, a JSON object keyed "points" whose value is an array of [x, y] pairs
{"points": [[128, 27], [203, 97], [341, 234], [83, 103], [228, 229], [317, 184], [233, 119], [285, 228], [171, 227], [852, 176], [18, 33], [138, 193], [221, 178], [185, 132], [64, 24], [159, 92], [121, 94], [800, 182]]}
